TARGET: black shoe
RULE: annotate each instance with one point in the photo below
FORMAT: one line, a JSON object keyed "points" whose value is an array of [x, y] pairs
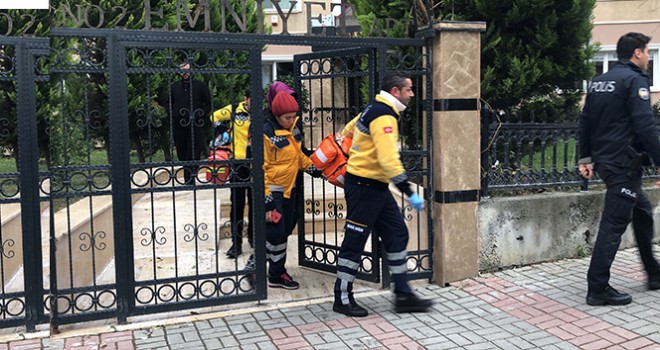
{"points": [[654, 283], [283, 281], [609, 296], [352, 310], [234, 252], [252, 280], [411, 303]]}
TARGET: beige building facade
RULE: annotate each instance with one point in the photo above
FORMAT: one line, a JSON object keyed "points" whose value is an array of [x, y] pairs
{"points": [[613, 18], [314, 17]]}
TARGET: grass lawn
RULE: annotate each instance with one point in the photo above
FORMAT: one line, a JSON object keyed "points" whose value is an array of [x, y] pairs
{"points": [[8, 188], [565, 150]]}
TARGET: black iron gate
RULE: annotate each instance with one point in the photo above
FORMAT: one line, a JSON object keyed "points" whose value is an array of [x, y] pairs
{"points": [[108, 226], [151, 237], [23, 78], [343, 82]]}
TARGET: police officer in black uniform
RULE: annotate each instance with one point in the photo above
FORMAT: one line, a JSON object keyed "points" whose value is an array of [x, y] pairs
{"points": [[617, 136]]}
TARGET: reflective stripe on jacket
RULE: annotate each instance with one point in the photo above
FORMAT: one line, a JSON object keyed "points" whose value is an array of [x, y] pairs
{"points": [[283, 157], [240, 127]]}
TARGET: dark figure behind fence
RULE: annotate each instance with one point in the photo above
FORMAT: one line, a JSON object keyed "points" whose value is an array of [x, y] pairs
{"points": [[190, 100]]}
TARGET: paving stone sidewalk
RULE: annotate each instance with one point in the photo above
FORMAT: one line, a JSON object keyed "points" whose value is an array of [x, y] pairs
{"points": [[533, 307]]}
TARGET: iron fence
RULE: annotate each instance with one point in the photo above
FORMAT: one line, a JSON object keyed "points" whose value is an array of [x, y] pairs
{"points": [[533, 151]]}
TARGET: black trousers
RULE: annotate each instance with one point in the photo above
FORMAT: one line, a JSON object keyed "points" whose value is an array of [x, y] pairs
{"points": [[190, 143], [625, 201], [370, 205], [237, 198], [277, 234]]}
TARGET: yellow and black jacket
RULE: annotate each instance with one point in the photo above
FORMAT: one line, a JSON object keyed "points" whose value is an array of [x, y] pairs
{"points": [[283, 158], [374, 153], [240, 127], [349, 128]]}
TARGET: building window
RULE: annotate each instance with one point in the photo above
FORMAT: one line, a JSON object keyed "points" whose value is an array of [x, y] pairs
{"points": [[606, 58], [285, 5], [271, 71]]}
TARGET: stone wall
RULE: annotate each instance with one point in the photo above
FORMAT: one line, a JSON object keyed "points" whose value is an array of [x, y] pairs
{"points": [[523, 230]]}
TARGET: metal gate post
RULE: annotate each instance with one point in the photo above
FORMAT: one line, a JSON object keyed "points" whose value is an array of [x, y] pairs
{"points": [[121, 187], [29, 184], [28, 155], [485, 140]]}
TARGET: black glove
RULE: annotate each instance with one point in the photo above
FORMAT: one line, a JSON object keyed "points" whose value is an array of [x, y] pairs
{"points": [[270, 203], [403, 185], [314, 172], [306, 151]]}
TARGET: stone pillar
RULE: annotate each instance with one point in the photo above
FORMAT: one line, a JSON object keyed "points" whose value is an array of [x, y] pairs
{"points": [[456, 140]]}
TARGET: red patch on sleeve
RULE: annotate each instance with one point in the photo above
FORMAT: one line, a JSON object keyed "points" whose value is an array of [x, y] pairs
{"points": [[388, 129]]}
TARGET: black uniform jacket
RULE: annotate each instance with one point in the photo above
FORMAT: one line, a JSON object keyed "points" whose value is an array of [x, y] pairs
{"points": [[181, 97], [617, 115]]}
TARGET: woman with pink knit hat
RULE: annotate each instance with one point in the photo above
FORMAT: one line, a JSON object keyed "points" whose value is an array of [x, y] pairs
{"points": [[283, 159]]}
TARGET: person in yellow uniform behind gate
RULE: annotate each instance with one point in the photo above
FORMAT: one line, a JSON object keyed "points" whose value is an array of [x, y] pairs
{"points": [[374, 161], [235, 119], [283, 158]]}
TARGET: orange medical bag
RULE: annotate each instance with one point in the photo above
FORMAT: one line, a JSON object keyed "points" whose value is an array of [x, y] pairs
{"points": [[331, 157], [218, 169]]}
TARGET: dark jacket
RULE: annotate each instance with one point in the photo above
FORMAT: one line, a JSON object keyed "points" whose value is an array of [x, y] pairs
{"points": [[180, 99], [616, 116]]}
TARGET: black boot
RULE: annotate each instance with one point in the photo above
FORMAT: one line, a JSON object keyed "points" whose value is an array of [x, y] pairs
{"points": [[654, 282], [352, 309], [234, 251], [410, 302], [609, 296]]}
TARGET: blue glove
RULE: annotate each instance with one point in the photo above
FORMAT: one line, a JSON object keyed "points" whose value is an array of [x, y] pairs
{"points": [[416, 201], [225, 138], [221, 140]]}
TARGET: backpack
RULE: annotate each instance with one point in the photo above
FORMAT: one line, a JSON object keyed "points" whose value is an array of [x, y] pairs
{"points": [[331, 157], [218, 169]]}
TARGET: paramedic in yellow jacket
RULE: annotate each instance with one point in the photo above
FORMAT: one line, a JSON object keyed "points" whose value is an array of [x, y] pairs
{"points": [[373, 163], [283, 159], [235, 119]]}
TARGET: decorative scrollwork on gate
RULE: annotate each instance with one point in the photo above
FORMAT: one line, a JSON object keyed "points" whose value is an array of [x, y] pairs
{"points": [[203, 236], [313, 207], [335, 210], [6, 250], [7, 62], [68, 303], [151, 236], [418, 263], [95, 240], [9, 187], [188, 290], [12, 307], [79, 52]]}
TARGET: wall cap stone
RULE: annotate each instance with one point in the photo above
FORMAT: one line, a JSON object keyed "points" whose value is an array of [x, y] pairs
{"points": [[462, 26]]}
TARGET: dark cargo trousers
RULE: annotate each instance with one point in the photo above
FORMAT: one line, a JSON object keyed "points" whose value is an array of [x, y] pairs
{"points": [[277, 234], [625, 201], [370, 205]]}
